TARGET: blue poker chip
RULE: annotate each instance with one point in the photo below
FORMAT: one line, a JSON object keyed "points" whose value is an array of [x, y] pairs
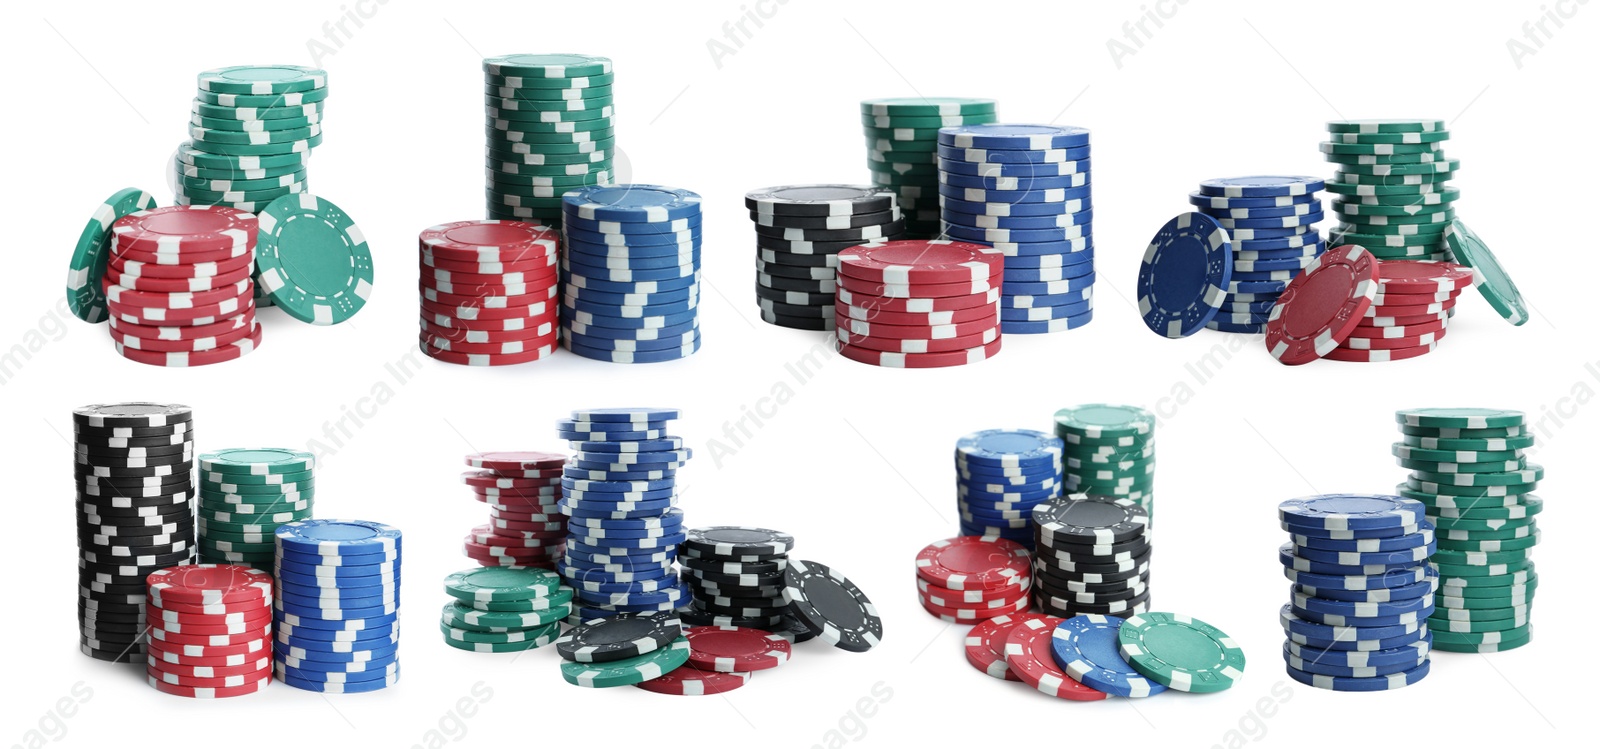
{"points": [[592, 557], [634, 446], [315, 568], [574, 282], [963, 206], [634, 357], [1022, 170], [338, 538], [1036, 314], [970, 474], [1184, 275], [322, 671], [1022, 254], [1037, 327], [1238, 322], [1361, 645], [322, 612], [999, 135], [582, 317], [1296, 625], [1012, 156], [1221, 203], [1030, 301], [631, 228], [1053, 261], [630, 240], [1252, 234], [337, 600], [610, 534], [1088, 649], [591, 499], [348, 625], [1287, 558], [1257, 287], [1408, 654], [633, 300], [668, 332], [654, 310], [590, 260], [1362, 684], [292, 633], [1296, 223], [1292, 241], [601, 273], [290, 577], [1047, 288], [1336, 512], [1423, 589], [1267, 212], [634, 546], [617, 487], [1326, 668], [616, 459], [1261, 187], [1056, 221], [637, 586], [997, 236], [337, 646], [582, 575], [1287, 253], [1006, 448], [606, 611], [615, 510], [631, 203], [1242, 276], [358, 564], [602, 467], [1362, 610], [674, 594], [341, 688], [1244, 269], [638, 473], [605, 432], [665, 519], [992, 501], [992, 521], [1014, 197], [332, 657], [994, 182]]}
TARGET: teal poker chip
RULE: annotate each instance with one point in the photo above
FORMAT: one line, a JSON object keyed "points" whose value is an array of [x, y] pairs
{"points": [[313, 260], [85, 296], [262, 80]]}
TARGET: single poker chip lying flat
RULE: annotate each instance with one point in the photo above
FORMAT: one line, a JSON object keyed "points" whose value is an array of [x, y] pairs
{"points": [[621, 637], [1029, 655], [690, 681], [735, 649], [628, 671], [1181, 652], [1089, 650]]}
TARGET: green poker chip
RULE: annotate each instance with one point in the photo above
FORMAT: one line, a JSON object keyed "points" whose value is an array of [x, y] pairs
{"points": [[261, 102], [1491, 646], [1460, 418], [1181, 652], [1377, 149], [1381, 171], [1490, 545], [1515, 442], [568, 128], [261, 491], [1489, 276], [276, 148], [1385, 126], [498, 638], [1408, 452], [1429, 136], [896, 121], [257, 461], [231, 173], [250, 126], [264, 479], [241, 185], [1388, 191], [544, 637], [495, 84], [1104, 421], [502, 584], [252, 117], [268, 195], [313, 260], [1477, 626], [262, 80], [1529, 475], [927, 106], [545, 66], [85, 297], [516, 117], [628, 670], [460, 615]]}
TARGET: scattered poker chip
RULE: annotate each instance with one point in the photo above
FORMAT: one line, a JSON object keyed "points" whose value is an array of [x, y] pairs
{"points": [[1181, 652], [735, 649], [628, 671], [624, 636], [973, 563], [1088, 648], [689, 681], [832, 606], [1322, 305], [1489, 276], [1184, 276], [1029, 656]]}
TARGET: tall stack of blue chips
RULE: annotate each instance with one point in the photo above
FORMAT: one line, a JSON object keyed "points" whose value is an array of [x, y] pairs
{"points": [[337, 607]]}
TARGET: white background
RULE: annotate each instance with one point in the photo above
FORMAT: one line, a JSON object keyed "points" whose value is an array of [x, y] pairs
{"points": [[854, 460]]}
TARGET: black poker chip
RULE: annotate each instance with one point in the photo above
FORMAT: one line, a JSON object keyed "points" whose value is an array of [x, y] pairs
{"points": [[789, 258], [136, 415], [179, 468], [83, 433], [743, 581], [94, 453], [798, 323], [819, 200], [1091, 520], [98, 444], [845, 221], [797, 272], [1074, 552], [733, 568], [1055, 607], [858, 235], [170, 464], [794, 630], [619, 637], [834, 607], [797, 285], [725, 540], [698, 616], [797, 298]]}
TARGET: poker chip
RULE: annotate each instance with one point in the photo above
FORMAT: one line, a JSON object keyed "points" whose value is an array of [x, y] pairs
{"points": [[831, 606], [1088, 648], [1184, 277], [337, 605], [1322, 306], [312, 260], [902, 138], [1001, 474], [130, 526], [96, 245], [890, 277], [1269, 222], [1478, 492], [641, 668], [245, 495], [691, 681], [474, 265], [623, 636], [1020, 190], [1181, 652], [735, 649], [1488, 275], [545, 134], [798, 270], [1109, 450], [1076, 534], [1029, 656], [227, 608]]}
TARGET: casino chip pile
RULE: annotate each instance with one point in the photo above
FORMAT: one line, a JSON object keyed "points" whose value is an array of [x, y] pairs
{"points": [[735, 576], [902, 150], [919, 303], [623, 649], [1270, 224], [210, 630], [1410, 311], [1358, 619], [488, 292], [1391, 186], [799, 231], [504, 609], [1469, 472], [1091, 555], [631, 273], [549, 131], [619, 494], [523, 491], [245, 495], [1024, 189], [337, 607], [1109, 451], [135, 512], [178, 287], [1001, 474], [973, 578]]}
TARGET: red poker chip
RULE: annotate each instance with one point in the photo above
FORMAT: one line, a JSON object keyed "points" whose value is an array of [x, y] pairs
{"points": [[548, 487], [922, 261], [489, 241], [920, 361], [185, 231], [946, 317], [546, 312], [243, 649], [243, 607], [186, 332], [156, 671], [501, 524], [1386, 320], [458, 335], [485, 535], [516, 560], [1410, 310], [1423, 276], [690, 681], [456, 298], [174, 300], [217, 355], [528, 518], [189, 623], [247, 667], [240, 327], [973, 563], [170, 659], [176, 638], [994, 598], [1372, 344], [129, 268], [1411, 300], [212, 693], [157, 285], [970, 615], [531, 264], [488, 289], [201, 584], [920, 345], [1375, 355], [537, 277], [515, 346], [487, 360], [489, 479], [1320, 306], [1398, 331], [478, 310], [861, 328], [161, 314], [920, 291], [1029, 656], [735, 649], [986, 644], [523, 510], [918, 304]]}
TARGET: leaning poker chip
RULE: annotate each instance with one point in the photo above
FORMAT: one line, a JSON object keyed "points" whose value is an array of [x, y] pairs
{"points": [[1489, 276], [313, 260], [735, 649], [1184, 276], [95, 247], [1181, 652], [1321, 306], [832, 606]]}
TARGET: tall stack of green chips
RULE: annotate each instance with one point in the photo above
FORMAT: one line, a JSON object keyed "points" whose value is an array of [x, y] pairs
{"points": [[549, 131], [1110, 451], [245, 494], [1468, 466], [903, 150], [1391, 190]]}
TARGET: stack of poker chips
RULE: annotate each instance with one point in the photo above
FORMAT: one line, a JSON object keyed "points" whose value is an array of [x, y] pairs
{"points": [[917, 303], [178, 285], [796, 277], [1468, 470], [970, 578], [1110, 451], [210, 630], [504, 609], [631, 273], [245, 494], [1391, 183], [1001, 474], [337, 607], [1091, 556], [1358, 616], [1025, 190], [623, 531], [488, 292], [135, 511], [523, 492], [735, 575], [1270, 224], [623, 649], [1409, 311], [549, 131], [902, 150]]}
